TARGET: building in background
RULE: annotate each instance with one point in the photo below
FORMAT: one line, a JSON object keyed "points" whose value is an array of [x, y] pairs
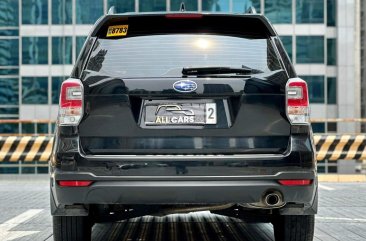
{"points": [[40, 40]]}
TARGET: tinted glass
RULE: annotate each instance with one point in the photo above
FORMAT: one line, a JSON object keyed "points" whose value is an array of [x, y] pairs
{"points": [[332, 126], [287, 43], [332, 90], [80, 40], [9, 13], [241, 6], [34, 90], [122, 6], [35, 50], [318, 127], [152, 6], [9, 52], [191, 5], [215, 5], [9, 32], [56, 87], [278, 11], [316, 88], [331, 51], [9, 129], [9, 90], [61, 11], [35, 11], [166, 55], [87, 12], [9, 71], [310, 49], [310, 11], [61, 50], [331, 12]]}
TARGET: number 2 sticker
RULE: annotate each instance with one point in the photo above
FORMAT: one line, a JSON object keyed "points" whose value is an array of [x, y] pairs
{"points": [[211, 116], [117, 30]]}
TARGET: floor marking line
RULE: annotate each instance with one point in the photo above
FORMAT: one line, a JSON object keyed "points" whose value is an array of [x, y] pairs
{"points": [[6, 235], [321, 186], [342, 219]]}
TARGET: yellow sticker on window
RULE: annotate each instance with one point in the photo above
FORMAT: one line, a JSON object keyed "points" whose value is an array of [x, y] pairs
{"points": [[117, 30]]}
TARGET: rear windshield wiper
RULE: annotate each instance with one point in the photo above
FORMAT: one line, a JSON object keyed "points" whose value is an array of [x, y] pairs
{"points": [[219, 70]]}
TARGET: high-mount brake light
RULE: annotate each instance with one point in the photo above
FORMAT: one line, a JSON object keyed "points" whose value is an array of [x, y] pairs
{"points": [[298, 109], [71, 102], [183, 15]]}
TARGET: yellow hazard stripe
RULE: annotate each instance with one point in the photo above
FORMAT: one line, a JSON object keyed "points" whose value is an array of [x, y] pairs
{"points": [[34, 150], [47, 152], [6, 147], [20, 148], [339, 148], [316, 139], [324, 148], [354, 147]]}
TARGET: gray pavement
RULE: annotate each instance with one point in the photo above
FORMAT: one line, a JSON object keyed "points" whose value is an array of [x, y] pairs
{"points": [[24, 215]]}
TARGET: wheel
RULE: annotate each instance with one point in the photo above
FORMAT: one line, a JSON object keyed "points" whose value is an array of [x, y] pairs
{"points": [[71, 228], [294, 228]]}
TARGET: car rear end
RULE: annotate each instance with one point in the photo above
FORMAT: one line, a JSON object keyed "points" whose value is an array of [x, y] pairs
{"points": [[179, 112]]}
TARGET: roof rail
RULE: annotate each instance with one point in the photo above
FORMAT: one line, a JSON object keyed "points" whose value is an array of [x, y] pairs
{"points": [[112, 10], [251, 10]]}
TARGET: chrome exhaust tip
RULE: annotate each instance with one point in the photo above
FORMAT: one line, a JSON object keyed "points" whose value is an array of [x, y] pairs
{"points": [[273, 199]]}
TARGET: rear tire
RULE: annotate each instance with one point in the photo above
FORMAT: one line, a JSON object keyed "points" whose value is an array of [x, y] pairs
{"points": [[294, 228], [71, 228]]}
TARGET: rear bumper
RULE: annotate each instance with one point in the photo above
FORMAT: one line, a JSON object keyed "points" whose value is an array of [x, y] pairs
{"points": [[199, 190]]}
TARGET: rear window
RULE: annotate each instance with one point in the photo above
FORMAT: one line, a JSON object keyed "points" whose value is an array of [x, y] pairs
{"points": [[166, 55]]}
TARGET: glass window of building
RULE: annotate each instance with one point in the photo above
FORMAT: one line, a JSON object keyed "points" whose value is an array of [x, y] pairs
{"points": [[152, 6], [278, 11], [56, 88], [80, 40], [34, 90], [61, 50], [122, 6], [331, 51], [318, 127], [316, 88], [216, 5], [9, 128], [35, 11], [9, 13], [241, 6], [332, 127], [9, 52], [309, 11], [287, 43], [35, 50], [331, 13], [61, 11], [191, 5], [87, 12], [9, 90], [310, 49], [9, 71], [332, 90]]}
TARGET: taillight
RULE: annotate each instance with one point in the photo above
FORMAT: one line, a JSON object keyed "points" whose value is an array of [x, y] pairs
{"points": [[296, 182], [297, 101], [71, 102], [74, 183]]}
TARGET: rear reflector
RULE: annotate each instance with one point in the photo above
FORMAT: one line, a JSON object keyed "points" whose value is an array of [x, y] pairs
{"points": [[71, 102], [297, 101], [183, 15], [296, 182], [74, 183]]}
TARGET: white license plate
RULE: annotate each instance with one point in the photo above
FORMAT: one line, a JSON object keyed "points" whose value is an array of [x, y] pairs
{"points": [[181, 114]]}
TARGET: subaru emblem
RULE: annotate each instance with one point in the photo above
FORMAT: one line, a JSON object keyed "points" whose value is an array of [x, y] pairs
{"points": [[185, 86]]}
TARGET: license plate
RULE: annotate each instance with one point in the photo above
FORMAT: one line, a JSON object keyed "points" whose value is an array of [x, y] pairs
{"points": [[180, 114]]}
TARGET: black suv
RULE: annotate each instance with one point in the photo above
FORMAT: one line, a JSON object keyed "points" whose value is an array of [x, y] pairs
{"points": [[179, 112]]}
